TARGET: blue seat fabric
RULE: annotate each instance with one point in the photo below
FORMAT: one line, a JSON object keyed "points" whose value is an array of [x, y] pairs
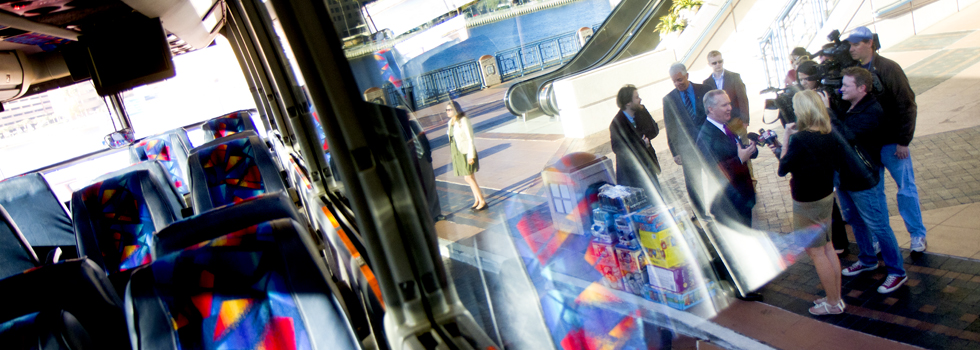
{"points": [[230, 170], [217, 221], [171, 149], [116, 219], [77, 287], [228, 124], [260, 287], [159, 172], [16, 255], [33, 206]]}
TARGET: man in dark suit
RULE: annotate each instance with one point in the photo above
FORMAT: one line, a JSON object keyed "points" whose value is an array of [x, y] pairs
{"points": [[722, 148], [630, 132], [731, 82], [683, 115]]}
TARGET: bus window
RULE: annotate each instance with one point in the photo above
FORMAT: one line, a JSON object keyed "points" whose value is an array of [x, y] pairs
{"points": [[209, 83], [50, 127]]}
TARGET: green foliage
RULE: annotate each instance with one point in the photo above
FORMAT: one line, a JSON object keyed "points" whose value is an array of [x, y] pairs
{"points": [[685, 4], [670, 23]]}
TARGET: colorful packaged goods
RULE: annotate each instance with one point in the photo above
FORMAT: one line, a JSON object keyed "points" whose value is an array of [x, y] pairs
{"points": [[680, 301], [678, 279], [611, 277], [601, 234], [602, 217], [607, 264], [633, 283], [622, 199], [626, 234], [663, 248], [655, 220], [630, 260]]}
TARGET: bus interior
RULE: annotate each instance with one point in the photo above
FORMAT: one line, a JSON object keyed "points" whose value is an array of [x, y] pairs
{"points": [[187, 174]]}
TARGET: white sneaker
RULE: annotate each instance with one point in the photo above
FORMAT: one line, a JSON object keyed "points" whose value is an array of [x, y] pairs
{"points": [[918, 244]]}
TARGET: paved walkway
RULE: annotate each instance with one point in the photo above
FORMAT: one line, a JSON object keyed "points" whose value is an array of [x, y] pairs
{"points": [[939, 308]]}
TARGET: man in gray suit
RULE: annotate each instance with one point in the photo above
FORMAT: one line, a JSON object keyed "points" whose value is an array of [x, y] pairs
{"points": [[683, 116]]}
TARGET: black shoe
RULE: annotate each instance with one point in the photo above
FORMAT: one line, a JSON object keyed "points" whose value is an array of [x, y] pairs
{"points": [[753, 296], [485, 205]]}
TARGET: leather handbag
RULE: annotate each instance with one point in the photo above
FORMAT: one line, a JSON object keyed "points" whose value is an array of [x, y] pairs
{"points": [[857, 172]]}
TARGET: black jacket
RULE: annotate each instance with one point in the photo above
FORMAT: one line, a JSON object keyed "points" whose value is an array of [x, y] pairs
{"points": [[736, 92], [634, 158], [718, 149], [897, 101], [682, 129], [860, 126]]}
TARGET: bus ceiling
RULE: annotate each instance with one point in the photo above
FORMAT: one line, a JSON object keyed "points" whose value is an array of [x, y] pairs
{"points": [[34, 34]]}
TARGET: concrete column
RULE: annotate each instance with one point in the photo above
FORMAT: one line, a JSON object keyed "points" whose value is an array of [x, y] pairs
{"points": [[376, 95], [584, 34], [488, 67]]}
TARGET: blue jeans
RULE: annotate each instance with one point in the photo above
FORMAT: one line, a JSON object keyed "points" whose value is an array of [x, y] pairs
{"points": [[867, 212], [908, 194]]}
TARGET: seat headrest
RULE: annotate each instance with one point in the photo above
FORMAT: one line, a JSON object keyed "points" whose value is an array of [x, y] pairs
{"points": [[259, 287], [116, 219], [228, 124], [33, 206]]}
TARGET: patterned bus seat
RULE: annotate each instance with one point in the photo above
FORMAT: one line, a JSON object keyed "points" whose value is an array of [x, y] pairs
{"points": [[217, 221], [33, 206], [116, 219], [228, 124], [231, 169], [262, 287], [171, 149], [68, 305], [157, 170]]}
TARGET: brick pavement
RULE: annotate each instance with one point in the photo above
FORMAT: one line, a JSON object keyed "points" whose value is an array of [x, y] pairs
{"points": [[946, 169]]}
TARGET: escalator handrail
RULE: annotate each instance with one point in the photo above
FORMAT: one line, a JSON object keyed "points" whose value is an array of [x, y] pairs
{"points": [[618, 46]]}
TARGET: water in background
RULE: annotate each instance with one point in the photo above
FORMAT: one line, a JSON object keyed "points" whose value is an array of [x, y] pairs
{"points": [[490, 38]]}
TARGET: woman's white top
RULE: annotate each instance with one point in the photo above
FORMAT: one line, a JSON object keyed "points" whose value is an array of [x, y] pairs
{"points": [[462, 132]]}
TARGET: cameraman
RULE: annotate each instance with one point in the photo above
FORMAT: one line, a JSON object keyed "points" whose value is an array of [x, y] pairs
{"points": [[898, 126]]}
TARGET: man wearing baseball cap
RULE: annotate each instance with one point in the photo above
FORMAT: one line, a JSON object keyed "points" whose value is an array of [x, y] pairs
{"points": [[897, 127]]}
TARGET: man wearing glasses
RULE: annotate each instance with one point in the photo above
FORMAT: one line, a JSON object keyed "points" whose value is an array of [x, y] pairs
{"points": [[731, 82]]}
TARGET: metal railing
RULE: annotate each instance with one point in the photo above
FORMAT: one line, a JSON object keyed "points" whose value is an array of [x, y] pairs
{"points": [[797, 25], [438, 85], [537, 55]]}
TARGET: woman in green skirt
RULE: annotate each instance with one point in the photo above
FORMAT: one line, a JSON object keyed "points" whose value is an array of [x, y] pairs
{"points": [[463, 149]]}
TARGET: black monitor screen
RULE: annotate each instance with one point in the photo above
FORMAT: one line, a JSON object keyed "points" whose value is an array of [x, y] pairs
{"points": [[127, 54]]}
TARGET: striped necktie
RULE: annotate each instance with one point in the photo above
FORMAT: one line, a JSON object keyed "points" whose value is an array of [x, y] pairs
{"points": [[689, 103]]}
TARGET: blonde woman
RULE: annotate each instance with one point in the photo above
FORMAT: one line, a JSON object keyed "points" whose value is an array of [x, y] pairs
{"points": [[812, 154], [466, 162]]}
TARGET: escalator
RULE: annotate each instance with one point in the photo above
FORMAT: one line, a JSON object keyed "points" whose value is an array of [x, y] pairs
{"points": [[627, 32]]}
